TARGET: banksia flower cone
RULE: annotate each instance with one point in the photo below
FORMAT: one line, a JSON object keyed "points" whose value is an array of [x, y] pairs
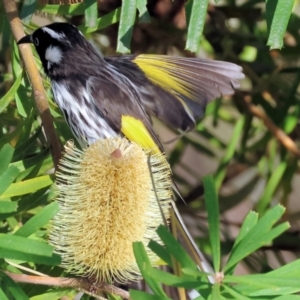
{"points": [[110, 195]]}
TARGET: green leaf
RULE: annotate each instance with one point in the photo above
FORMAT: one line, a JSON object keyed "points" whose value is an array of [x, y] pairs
{"points": [[171, 280], [221, 171], [216, 294], [24, 249], [271, 186], [212, 207], [39, 220], [2, 295], [234, 293], [174, 248], [278, 15], [267, 285], [144, 265], [27, 11], [196, 14], [91, 13], [161, 252], [6, 154], [52, 295], [7, 207], [7, 178], [76, 9], [12, 287], [103, 22], [6, 99], [144, 16], [259, 235], [127, 19], [138, 295], [27, 186]]}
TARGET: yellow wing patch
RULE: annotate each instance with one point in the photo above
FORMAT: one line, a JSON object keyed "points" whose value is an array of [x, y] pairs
{"points": [[162, 72], [136, 131]]}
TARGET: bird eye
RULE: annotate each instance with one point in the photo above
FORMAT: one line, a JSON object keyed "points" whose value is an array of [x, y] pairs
{"points": [[36, 41]]}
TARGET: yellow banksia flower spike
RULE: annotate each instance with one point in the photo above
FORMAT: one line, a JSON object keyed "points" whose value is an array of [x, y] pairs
{"points": [[110, 195]]}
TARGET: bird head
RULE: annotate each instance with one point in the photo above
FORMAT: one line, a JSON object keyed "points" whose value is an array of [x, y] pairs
{"points": [[62, 49]]}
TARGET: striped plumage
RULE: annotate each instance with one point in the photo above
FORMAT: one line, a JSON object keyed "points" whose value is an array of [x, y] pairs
{"points": [[103, 97]]}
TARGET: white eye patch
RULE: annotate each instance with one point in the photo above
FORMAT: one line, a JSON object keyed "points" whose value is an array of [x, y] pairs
{"points": [[53, 54], [54, 34]]}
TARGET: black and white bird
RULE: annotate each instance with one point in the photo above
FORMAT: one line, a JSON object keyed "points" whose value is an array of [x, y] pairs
{"points": [[103, 97]]}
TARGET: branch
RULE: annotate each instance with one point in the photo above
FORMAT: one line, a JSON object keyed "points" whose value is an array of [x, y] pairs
{"points": [[35, 79], [84, 284], [282, 137]]}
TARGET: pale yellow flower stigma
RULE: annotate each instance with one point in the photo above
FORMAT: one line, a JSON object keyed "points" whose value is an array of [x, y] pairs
{"points": [[108, 199]]}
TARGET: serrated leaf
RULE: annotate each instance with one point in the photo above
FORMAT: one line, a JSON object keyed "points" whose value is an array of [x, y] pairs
{"points": [[249, 245], [196, 14], [39, 220], [127, 20], [27, 186]]}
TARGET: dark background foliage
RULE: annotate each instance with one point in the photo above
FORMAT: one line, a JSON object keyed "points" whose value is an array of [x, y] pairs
{"points": [[248, 142]]}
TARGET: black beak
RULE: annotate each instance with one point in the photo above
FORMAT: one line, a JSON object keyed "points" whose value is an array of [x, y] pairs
{"points": [[25, 40]]}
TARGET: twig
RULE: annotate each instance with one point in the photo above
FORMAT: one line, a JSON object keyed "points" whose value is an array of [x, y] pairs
{"points": [[282, 137], [35, 79], [84, 284]]}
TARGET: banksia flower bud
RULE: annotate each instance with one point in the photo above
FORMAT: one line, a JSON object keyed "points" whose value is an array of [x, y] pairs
{"points": [[111, 194]]}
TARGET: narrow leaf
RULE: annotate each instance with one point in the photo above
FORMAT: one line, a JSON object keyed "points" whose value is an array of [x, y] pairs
{"points": [[139, 295], [144, 16], [212, 206], [107, 20], [161, 252], [144, 265], [7, 178], [39, 220], [67, 9], [12, 287], [27, 11], [9, 96], [278, 15], [28, 186], [6, 154], [7, 207], [174, 248], [127, 19], [91, 13], [196, 14]]}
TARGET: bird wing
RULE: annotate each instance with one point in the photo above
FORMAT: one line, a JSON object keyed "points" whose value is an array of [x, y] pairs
{"points": [[190, 84], [117, 100]]}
